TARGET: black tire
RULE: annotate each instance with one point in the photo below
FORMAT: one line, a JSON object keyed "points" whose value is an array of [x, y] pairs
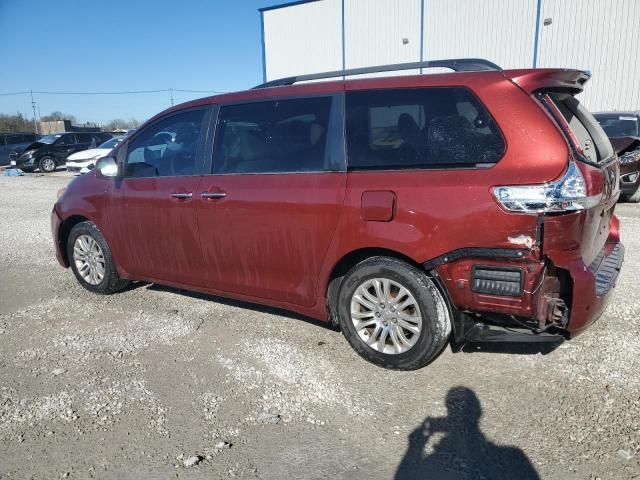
{"points": [[47, 164], [436, 326], [111, 282], [633, 198]]}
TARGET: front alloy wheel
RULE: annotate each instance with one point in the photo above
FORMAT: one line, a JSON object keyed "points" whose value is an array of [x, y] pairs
{"points": [[89, 259]]}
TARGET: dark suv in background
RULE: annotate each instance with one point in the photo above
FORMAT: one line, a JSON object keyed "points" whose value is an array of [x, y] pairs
{"points": [[50, 151], [14, 142], [623, 129]]}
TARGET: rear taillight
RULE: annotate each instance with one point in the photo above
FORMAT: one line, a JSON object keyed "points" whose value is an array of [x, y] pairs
{"points": [[566, 194]]}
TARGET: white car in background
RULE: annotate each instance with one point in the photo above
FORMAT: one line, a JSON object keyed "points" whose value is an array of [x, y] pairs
{"points": [[85, 160]]}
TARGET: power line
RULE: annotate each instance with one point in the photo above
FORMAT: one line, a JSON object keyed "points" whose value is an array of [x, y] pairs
{"points": [[197, 91], [124, 92], [132, 92]]}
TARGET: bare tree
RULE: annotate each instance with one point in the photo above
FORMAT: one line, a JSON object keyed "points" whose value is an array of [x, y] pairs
{"points": [[15, 123], [120, 124], [57, 116]]}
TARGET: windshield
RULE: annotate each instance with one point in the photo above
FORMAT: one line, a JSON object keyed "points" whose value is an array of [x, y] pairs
{"points": [[49, 139], [619, 125], [111, 143]]}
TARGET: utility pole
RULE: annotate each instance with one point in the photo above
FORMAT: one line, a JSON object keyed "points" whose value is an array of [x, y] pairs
{"points": [[171, 95], [33, 104]]}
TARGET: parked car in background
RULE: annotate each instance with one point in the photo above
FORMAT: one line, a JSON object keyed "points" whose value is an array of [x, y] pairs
{"points": [[51, 151], [14, 142], [623, 129], [86, 159], [412, 211]]}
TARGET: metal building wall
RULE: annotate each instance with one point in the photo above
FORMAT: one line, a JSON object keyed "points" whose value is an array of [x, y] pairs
{"points": [[597, 35], [302, 38], [600, 36], [381, 32], [502, 31]]}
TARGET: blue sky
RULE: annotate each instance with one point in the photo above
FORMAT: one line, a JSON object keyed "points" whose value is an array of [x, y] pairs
{"points": [[116, 45]]}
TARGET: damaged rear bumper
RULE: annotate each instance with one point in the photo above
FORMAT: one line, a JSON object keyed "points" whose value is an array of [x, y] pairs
{"points": [[559, 296]]}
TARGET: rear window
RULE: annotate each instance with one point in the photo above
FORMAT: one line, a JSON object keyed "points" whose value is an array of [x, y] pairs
{"points": [[420, 128], [619, 125], [591, 138]]}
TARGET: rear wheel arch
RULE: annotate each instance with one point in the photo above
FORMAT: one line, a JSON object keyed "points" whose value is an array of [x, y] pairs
{"points": [[346, 263], [415, 290]]}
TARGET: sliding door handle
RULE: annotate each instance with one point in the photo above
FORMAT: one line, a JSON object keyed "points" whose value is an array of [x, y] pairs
{"points": [[182, 195], [207, 195]]}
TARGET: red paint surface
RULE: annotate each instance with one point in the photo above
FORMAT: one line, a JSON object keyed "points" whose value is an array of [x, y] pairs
{"points": [[378, 206], [275, 239]]}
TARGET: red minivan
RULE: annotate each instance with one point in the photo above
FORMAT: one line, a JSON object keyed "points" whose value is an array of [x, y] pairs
{"points": [[412, 211]]}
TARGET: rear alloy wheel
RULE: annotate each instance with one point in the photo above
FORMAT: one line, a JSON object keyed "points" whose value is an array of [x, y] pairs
{"points": [[392, 314], [91, 260], [47, 164], [386, 316]]}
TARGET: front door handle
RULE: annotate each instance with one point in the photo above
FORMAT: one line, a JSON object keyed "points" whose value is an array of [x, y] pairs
{"points": [[208, 195], [182, 195]]}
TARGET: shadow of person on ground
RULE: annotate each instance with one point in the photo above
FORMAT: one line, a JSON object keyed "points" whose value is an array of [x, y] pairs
{"points": [[457, 449]]}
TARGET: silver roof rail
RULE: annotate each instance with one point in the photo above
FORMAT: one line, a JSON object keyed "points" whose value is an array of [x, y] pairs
{"points": [[456, 64]]}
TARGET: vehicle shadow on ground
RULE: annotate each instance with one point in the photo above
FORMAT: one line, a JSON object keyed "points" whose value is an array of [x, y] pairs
{"points": [[233, 303], [454, 447], [515, 348]]}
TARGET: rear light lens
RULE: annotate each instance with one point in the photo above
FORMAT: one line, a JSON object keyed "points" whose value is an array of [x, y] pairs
{"points": [[567, 194]]}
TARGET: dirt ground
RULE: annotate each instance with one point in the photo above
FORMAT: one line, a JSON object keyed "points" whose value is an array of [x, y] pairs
{"points": [[135, 385]]}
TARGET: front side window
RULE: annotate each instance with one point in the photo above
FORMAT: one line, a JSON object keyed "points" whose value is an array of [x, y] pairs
{"points": [[166, 148], [66, 140], [420, 128], [274, 136]]}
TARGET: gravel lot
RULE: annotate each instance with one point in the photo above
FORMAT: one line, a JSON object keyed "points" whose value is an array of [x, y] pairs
{"points": [[159, 383]]}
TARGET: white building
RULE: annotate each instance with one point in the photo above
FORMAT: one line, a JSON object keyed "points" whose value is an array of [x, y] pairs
{"points": [[602, 36]]}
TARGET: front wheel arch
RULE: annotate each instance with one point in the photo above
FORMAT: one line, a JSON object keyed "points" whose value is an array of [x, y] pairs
{"points": [[63, 234]]}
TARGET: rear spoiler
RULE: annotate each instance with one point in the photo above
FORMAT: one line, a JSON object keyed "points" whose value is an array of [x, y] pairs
{"points": [[531, 80]]}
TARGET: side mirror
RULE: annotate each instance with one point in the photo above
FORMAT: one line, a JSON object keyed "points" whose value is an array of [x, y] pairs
{"points": [[107, 167]]}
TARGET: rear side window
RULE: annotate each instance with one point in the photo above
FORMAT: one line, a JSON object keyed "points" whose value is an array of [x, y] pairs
{"points": [[420, 128], [274, 136], [591, 138], [83, 137]]}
